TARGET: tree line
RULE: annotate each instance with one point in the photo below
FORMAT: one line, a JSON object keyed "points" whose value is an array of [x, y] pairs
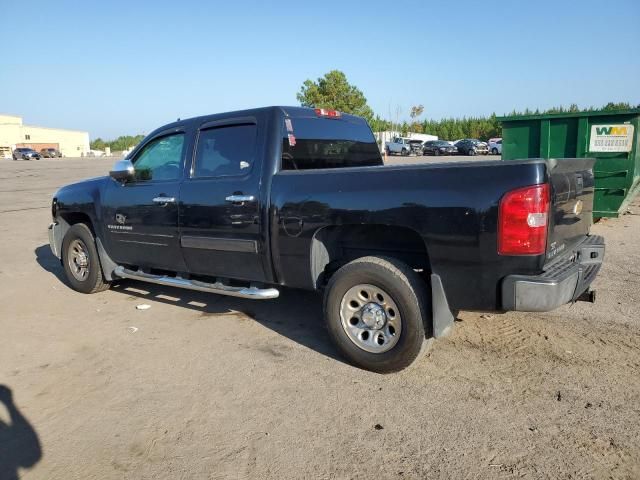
{"points": [[481, 128], [446, 128], [123, 142]]}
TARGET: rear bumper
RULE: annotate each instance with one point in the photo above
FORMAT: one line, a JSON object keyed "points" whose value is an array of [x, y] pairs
{"points": [[561, 282]]}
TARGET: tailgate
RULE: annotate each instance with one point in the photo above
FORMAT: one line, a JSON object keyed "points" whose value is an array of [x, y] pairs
{"points": [[571, 203]]}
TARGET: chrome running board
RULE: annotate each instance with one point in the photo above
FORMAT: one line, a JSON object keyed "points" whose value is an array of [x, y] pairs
{"points": [[252, 292]]}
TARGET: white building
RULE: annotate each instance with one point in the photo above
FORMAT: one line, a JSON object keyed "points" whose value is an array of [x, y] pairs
{"points": [[13, 134]]}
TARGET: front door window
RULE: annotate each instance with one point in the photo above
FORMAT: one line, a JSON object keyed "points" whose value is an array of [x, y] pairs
{"points": [[160, 159]]}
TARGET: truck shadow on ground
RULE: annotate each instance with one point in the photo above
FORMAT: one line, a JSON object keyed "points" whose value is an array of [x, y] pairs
{"points": [[296, 314], [19, 443], [47, 260]]}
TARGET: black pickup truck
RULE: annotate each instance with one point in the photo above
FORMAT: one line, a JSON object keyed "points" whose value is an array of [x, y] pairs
{"points": [[247, 202]]}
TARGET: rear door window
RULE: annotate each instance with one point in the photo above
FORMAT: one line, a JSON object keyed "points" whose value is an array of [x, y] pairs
{"points": [[318, 143], [225, 151]]}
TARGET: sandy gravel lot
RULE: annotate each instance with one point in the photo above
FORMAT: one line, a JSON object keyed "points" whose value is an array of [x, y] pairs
{"points": [[203, 386]]}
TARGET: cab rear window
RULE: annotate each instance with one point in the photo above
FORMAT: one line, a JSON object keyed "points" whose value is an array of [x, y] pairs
{"points": [[319, 143]]}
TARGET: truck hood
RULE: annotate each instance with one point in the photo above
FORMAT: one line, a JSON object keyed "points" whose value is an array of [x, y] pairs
{"points": [[90, 184]]}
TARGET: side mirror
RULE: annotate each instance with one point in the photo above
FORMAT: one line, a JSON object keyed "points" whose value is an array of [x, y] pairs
{"points": [[123, 171]]}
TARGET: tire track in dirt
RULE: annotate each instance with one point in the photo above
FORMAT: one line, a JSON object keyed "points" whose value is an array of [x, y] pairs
{"points": [[519, 338]]}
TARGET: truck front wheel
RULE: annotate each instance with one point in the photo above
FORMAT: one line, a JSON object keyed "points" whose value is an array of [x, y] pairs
{"points": [[375, 309], [81, 262]]}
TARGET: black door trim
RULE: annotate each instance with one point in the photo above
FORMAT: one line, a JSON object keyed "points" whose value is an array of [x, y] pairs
{"points": [[221, 244]]}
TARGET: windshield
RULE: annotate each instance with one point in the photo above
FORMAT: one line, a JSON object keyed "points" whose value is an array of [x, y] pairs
{"points": [[316, 143]]}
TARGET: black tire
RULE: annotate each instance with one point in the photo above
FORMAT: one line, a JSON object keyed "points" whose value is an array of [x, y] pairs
{"points": [[436, 153], [94, 281], [388, 151], [494, 151], [408, 292], [405, 152], [471, 152]]}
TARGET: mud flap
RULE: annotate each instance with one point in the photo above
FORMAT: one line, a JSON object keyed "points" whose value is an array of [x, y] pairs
{"points": [[108, 265], [442, 316]]}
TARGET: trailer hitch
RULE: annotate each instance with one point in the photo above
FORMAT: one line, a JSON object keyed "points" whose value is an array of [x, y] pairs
{"points": [[587, 296]]}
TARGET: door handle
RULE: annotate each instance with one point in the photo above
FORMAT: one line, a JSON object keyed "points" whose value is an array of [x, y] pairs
{"points": [[164, 200], [240, 198]]}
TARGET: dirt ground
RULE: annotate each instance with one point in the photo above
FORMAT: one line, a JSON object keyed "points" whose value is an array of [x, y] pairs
{"points": [[204, 386]]}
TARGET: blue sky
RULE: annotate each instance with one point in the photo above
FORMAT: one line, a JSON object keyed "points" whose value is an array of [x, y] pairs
{"points": [[117, 67]]}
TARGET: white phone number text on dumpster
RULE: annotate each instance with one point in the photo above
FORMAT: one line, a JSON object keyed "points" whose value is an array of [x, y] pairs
{"points": [[611, 138]]}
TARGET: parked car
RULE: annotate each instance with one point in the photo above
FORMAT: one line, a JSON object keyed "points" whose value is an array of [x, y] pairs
{"points": [[247, 202], [470, 146], [399, 145], [416, 146], [496, 147], [438, 147], [23, 153], [50, 153], [95, 153]]}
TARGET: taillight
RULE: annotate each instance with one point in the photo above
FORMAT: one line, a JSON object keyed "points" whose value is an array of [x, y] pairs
{"points": [[523, 221], [323, 112]]}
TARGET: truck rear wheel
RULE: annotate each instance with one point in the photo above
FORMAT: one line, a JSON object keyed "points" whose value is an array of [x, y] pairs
{"points": [[375, 309], [81, 262]]}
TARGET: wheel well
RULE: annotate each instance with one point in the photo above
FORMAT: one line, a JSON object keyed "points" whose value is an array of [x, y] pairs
{"points": [[78, 217], [333, 247]]}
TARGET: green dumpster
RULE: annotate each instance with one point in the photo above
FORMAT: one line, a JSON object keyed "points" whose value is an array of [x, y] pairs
{"points": [[611, 137]]}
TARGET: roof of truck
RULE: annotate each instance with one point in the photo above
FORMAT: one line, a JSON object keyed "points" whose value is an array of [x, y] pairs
{"points": [[288, 111]]}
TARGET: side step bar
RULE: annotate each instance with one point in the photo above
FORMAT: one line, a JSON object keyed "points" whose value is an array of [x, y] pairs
{"points": [[252, 292]]}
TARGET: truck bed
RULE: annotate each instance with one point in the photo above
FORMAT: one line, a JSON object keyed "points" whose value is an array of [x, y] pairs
{"points": [[452, 207]]}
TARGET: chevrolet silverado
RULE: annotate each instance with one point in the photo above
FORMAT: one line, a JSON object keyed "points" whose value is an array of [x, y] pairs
{"points": [[249, 202]]}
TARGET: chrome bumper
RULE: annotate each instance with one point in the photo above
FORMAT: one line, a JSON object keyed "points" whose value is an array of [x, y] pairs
{"points": [[561, 282]]}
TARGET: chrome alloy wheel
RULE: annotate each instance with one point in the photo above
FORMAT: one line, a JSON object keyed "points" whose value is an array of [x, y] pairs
{"points": [[370, 318], [78, 260]]}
